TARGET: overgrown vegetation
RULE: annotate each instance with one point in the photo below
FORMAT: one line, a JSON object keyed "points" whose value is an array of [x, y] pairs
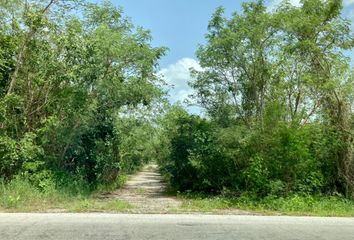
{"points": [[77, 83], [22, 195], [300, 205], [81, 104], [278, 93]]}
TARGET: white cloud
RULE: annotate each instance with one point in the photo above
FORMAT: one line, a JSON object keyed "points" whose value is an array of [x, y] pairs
{"points": [[178, 75]]}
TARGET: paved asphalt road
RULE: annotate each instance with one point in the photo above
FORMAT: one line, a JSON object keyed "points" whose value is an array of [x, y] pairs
{"points": [[125, 227]]}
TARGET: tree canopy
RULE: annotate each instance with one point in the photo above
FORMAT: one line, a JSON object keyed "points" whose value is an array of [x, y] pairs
{"points": [[278, 89], [67, 71], [81, 102]]}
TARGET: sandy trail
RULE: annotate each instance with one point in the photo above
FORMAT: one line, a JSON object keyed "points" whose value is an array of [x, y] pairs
{"points": [[146, 191]]}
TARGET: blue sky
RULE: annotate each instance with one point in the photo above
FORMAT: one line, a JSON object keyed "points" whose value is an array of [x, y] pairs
{"points": [[181, 25], [177, 24]]}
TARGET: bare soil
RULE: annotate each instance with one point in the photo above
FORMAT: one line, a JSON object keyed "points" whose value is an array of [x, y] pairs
{"points": [[146, 192]]}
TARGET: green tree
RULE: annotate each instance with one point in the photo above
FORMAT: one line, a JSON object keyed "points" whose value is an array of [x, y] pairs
{"points": [[67, 71], [278, 91]]}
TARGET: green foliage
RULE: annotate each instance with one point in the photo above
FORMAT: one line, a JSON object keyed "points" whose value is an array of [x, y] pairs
{"points": [[194, 161], [16, 193], [80, 102], [67, 73], [18, 155], [301, 205], [256, 174], [205, 157], [21, 195], [278, 93], [137, 143]]}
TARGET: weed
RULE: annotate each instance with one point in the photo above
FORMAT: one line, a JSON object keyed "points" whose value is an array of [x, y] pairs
{"points": [[293, 205]]}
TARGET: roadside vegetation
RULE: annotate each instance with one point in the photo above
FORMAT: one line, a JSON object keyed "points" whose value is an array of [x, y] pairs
{"points": [[82, 106], [21, 195], [77, 89], [277, 91], [299, 205]]}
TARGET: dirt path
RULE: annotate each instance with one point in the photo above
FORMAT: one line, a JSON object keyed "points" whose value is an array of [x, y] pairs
{"points": [[146, 191]]}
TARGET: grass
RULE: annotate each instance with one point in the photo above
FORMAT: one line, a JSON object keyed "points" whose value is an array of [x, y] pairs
{"points": [[122, 179], [298, 205], [21, 196], [95, 205]]}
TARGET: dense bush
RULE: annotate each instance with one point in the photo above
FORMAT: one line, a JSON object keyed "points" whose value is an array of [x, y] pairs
{"points": [[197, 163], [279, 161], [68, 69], [278, 96], [78, 92]]}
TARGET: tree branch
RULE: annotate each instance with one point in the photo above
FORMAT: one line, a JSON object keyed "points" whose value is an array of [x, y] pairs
{"points": [[23, 49]]}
